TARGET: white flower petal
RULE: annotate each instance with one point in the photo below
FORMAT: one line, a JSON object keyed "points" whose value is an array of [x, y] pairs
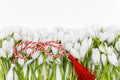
{"points": [[54, 50], [17, 36], [58, 76], [104, 59], [10, 73], [68, 46], [95, 56], [35, 55], [2, 53], [113, 59], [75, 53], [21, 61], [101, 49], [40, 59]]}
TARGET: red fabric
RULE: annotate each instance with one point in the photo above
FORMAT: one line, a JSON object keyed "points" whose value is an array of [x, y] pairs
{"points": [[82, 72]]}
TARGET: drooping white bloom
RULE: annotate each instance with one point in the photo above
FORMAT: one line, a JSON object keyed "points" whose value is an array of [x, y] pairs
{"points": [[40, 59], [17, 36], [7, 46], [35, 55], [77, 46], [110, 50], [117, 45], [10, 73], [84, 48], [68, 46], [103, 59], [102, 48], [93, 31], [82, 34], [58, 76], [36, 73], [2, 53], [44, 72], [95, 56], [103, 36], [36, 36], [111, 37], [21, 61], [24, 70], [105, 49], [75, 53], [113, 59], [49, 58], [54, 50], [60, 35]]}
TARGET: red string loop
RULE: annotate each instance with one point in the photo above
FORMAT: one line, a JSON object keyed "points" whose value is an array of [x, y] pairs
{"points": [[35, 46]]}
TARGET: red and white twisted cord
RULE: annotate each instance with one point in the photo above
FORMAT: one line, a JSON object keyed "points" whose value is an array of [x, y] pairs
{"points": [[35, 46]]}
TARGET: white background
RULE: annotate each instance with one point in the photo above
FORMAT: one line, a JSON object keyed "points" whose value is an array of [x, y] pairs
{"points": [[65, 13]]}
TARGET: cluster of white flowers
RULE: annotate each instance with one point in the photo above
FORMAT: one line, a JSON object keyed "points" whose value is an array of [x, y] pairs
{"points": [[103, 44]]}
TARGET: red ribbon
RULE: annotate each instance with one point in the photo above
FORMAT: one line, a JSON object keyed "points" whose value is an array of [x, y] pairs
{"points": [[82, 72]]}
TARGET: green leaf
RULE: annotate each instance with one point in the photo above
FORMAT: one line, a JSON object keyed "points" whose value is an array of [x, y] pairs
{"points": [[118, 68], [64, 63], [0, 43], [12, 34]]}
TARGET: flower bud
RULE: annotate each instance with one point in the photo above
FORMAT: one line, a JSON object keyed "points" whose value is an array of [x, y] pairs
{"points": [[95, 56], [10, 73], [104, 59], [75, 53], [113, 59], [68, 46]]}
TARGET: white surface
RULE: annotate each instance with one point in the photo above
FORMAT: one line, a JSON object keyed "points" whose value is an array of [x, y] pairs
{"points": [[66, 13]]}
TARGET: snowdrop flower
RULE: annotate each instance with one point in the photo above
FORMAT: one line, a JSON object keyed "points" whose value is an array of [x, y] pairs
{"points": [[84, 48], [112, 58], [60, 35], [103, 59], [10, 73], [35, 55], [77, 46], [40, 59], [95, 56], [117, 45], [111, 37], [102, 48], [36, 37], [103, 36], [36, 73], [93, 31], [21, 61], [49, 58], [2, 53], [110, 50], [58, 76], [105, 49], [7, 46], [75, 53], [4, 34], [17, 36], [69, 37], [24, 70], [68, 46], [54, 50]]}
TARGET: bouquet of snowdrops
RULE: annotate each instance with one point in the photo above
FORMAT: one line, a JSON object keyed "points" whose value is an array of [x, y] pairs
{"points": [[97, 49]]}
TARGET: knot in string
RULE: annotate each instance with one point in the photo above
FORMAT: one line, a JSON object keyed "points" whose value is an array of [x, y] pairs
{"points": [[36, 46]]}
